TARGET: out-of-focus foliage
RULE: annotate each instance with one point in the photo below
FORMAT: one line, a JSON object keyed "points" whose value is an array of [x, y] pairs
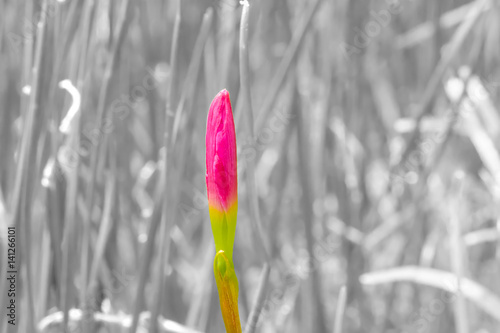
{"points": [[376, 154]]}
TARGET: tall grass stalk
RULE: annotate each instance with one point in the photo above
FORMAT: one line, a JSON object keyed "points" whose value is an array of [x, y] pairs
{"points": [[247, 109], [284, 66], [458, 255], [339, 311], [252, 195], [313, 287]]}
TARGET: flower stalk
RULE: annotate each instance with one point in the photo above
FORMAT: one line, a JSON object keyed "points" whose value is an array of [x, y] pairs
{"points": [[222, 192]]}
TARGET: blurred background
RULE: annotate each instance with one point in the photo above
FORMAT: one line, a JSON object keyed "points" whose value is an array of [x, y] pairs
{"points": [[368, 140]]}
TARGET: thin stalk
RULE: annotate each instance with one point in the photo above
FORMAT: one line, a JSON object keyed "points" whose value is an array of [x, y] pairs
{"points": [[192, 72], [246, 103], [107, 221], [284, 66], [226, 45], [307, 207], [253, 318], [457, 256], [210, 67], [282, 167], [339, 311], [2, 28], [248, 111], [198, 309]]}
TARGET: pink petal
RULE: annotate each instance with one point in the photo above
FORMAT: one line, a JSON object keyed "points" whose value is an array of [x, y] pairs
{"points": [[221, 176]]}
